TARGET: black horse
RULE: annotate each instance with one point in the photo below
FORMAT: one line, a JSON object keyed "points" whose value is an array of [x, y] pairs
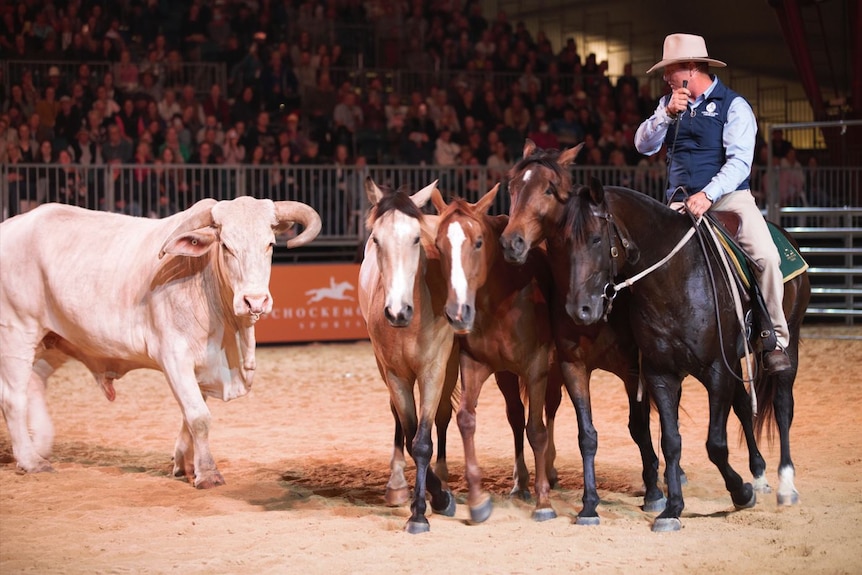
{"points": [[684, 319]]}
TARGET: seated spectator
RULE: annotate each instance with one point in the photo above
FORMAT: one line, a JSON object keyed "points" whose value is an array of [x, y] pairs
{"points": [[246, 107], [169, 106], [544, 137], [516, 115], [67, 123], [347, 119], [182, 154], [498, 162], [47, 108], [126, 73], [233, 150], [117, 148], [567, 129], [217, 106]]}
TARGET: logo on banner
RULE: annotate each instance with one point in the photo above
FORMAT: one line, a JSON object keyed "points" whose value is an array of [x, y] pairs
{"points": [[334, 291]]}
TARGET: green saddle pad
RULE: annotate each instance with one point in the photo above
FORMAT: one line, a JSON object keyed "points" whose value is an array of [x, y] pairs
{"points": [[792, 262]]}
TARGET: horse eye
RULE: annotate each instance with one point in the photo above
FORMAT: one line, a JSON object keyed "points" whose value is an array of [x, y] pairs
{"points": [[596, 240], [478, 243], [549, 191], [416, 240], [374, 240]]}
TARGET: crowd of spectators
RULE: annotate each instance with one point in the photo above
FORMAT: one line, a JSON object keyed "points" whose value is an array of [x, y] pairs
{"points": [[292, 95]]}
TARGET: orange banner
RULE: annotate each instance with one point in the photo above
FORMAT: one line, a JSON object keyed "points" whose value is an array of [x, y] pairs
{"points": [[313, 302]]}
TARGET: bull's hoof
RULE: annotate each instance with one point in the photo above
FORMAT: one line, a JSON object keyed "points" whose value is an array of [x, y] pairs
{"points": [[417, 526], [544, 514], [447, 510], [396, 497], [41, 465], [211, 481], [480, 513], [788, 499], [656, 505], [520, 493], [587, 520], [746, 503], [665, 524]]}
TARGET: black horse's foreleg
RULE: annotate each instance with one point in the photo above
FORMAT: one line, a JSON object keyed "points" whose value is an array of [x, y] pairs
{"points": [[639, 412], [578, 386], [665, 389]]}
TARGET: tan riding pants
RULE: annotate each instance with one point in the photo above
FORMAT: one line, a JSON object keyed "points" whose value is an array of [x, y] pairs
{"points": [[755, 239]]}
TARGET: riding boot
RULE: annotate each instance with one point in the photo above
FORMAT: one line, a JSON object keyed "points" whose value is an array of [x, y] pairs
{"points": [[775, 359]]}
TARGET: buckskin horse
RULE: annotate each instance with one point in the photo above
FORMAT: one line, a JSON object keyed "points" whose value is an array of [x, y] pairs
{"points": [[500, 312], [684, 320], [397, 281], [539, 185]]}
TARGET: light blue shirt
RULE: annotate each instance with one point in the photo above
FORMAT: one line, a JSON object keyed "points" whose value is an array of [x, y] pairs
{"points": [[738, 138]]}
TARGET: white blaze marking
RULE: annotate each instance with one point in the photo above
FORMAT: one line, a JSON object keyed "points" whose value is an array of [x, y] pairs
{"points": [[527, 175], [404, 230], [459, 280]]}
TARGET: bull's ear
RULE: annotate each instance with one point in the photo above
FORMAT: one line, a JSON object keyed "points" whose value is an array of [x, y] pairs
{"points": [[191, 244]]}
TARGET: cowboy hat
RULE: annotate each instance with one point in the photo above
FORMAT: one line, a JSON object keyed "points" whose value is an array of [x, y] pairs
{"points": [[685, 48]]}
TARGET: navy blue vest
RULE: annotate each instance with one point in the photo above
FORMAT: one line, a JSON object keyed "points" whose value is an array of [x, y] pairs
{"points": [[699, 152]]}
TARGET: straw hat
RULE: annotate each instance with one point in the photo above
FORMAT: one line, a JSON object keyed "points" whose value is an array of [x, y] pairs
{"points": [[685, 48]]}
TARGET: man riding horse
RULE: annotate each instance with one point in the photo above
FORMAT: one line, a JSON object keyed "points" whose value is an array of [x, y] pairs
{"points": [[709, 131]]}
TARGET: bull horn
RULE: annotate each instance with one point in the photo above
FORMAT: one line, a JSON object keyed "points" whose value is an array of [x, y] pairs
{"points": [[197, 216], [289, 211]]}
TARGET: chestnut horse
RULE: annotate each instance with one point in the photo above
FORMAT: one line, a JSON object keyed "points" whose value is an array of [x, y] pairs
{"points": [[684, 319], [500, 312], [397, 281], [539, 185]]}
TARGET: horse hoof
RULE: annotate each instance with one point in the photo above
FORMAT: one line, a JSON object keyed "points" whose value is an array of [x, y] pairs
{"points": [[589, 521], [655, 506], [751, 501], [544, 514], [447, 510], [788, 499], [481, 512], [416, 527], [761, 485], [396, 497], [665, 524], [522, 494]]}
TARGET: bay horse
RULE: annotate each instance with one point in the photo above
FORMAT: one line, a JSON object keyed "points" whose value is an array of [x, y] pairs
{"points": [[500, 312], [539, 185], [397, 281], [684, 321]]}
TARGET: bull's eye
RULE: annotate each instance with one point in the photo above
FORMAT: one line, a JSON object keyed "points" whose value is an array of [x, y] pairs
{"points": [[194, 242]]}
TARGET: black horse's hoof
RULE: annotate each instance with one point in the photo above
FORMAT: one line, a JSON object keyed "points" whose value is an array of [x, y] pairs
{"points": [[416, 527], [587, 520], [746, 502], [544, 514], [665, 524], [447, 510], [788, 499], [481, 512], [656, 505]]}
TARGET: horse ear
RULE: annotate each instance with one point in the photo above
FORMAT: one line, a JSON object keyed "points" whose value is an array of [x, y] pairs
{"points": [[568, 156], [438, 201], [372, 191], [597, 191], [486, 201], [421, 197], [529, 148]]}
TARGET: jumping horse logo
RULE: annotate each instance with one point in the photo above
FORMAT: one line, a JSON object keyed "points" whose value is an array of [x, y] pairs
{"points": [[334, 291]]}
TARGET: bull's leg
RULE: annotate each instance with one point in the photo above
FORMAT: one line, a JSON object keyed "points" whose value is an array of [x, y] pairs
{"points": [[41, 426], [507, 382], [473, 374], [196, 417], [184, 454], [16, 369], [577, 380]]}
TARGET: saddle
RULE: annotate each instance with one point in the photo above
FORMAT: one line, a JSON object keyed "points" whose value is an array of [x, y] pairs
{"points": [[726, 225]]}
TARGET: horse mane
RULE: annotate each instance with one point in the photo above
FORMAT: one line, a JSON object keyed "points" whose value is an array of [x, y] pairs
{"points": [[576, 214]]}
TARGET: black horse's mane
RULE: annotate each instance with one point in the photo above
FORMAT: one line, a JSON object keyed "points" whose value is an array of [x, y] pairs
{"points": [[396, 200]]}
